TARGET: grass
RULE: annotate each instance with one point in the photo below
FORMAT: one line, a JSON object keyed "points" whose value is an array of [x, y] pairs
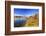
{"points": [[32, 21]]}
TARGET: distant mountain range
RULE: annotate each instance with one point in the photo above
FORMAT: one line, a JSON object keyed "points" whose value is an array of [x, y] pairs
{"points": [[26, 16], [20, 17]]}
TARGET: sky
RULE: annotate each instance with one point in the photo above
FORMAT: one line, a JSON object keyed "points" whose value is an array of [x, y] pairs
{"points": [[25, 12]]}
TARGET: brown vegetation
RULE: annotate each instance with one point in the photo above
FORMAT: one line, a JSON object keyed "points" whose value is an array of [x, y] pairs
{"points": [[32, 21]]}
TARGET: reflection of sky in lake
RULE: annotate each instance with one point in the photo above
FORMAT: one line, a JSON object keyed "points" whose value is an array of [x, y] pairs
{"points": [[25, 12]]}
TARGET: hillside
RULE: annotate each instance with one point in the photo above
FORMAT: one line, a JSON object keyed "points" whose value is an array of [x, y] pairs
{"points": [[32, 21]]}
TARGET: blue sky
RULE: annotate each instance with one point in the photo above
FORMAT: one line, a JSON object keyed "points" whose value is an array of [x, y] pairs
{"points": [[25, 12]]}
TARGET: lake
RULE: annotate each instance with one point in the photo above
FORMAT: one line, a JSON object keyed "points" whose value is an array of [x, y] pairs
{"points": [[19, 22]]}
